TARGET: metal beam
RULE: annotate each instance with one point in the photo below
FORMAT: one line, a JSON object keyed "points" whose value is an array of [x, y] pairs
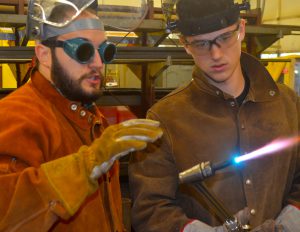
{"points": [[113, 97], [12, 20], [17, 20], [159, 25], [276, 30], [124, 54], [150, 54], [264, 35], [16, 54]]}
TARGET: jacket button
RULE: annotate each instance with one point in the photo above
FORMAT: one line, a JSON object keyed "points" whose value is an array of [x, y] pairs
{"points": [[232, 103], [272, 93], [248, 182], [52, 203], [74, 107], [252, 211], [82, 113]]}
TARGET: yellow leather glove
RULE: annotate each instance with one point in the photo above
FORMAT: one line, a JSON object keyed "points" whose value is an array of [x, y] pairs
{"points": [[74, 176], [121, 139]]}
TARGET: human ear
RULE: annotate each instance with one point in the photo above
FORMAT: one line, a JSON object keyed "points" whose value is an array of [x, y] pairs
{"points": [[182, 41], [43, 54], [242, 29]]}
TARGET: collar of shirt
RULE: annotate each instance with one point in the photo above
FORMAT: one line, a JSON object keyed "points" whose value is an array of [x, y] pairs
{"points": [[262, 86]]}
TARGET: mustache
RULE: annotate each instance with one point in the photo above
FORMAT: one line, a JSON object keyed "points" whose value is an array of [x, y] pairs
{"points": [[92, 73]]}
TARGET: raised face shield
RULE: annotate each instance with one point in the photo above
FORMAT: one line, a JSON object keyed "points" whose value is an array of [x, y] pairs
{"points": [[114, 14], [122, 15], [41, 13]]}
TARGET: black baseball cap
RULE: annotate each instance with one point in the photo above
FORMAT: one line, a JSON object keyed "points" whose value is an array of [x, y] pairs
{"points": [[197, 17]]}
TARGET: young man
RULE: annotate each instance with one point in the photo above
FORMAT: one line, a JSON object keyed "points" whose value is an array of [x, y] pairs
{"points": [[57, 169], [232, 106]]}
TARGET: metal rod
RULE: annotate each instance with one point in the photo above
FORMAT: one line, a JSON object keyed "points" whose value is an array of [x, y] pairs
{"points": [[222, 212]]}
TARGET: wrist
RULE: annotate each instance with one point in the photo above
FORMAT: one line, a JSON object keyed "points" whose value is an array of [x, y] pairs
{"points": [[69, 178]]}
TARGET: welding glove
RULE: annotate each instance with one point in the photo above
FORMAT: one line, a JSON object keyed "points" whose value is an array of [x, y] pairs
{"points": [[121, 139], [268, 226], [196, 226], [74, 177], [289, 219]]}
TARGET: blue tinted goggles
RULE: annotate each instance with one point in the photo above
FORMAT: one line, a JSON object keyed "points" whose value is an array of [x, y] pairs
{"points": [[83, 51]]}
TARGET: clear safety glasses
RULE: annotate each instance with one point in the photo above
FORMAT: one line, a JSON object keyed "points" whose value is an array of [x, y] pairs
{"points": [[225, 40], [83, 51]]}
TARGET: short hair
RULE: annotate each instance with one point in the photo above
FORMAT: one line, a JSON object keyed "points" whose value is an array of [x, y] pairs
{"points": [[60, 12]]}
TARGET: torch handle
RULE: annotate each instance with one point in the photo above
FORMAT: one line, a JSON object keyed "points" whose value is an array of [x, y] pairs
{"points": [[220, 209]]}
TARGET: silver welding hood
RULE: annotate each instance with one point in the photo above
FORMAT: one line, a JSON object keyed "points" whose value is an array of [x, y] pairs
{"points": [[44, 20], [42, 23], [122, 15]]}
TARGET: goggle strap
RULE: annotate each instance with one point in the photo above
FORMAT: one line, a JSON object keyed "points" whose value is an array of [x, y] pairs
{"points": [[77, 25], [53, 43], [101, 49]]}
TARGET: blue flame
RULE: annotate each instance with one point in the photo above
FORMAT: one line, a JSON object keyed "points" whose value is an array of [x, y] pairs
{"points": [[236, 160]]}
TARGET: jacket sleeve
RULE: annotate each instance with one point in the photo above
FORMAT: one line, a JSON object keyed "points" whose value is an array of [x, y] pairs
{"points": [[27, 200], [289, 216], [154, 186], [294, 195]]}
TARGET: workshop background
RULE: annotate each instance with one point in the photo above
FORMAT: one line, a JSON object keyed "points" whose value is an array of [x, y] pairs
{"points": [[150, 61]]}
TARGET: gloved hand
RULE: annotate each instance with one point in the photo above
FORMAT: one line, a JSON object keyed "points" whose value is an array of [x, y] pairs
{"points": [[289, 219], [74, 177], [119, 140], [268, 226], [197, 226]]}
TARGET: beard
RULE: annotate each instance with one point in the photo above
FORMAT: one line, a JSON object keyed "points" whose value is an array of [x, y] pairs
{"points": [[72, 89]]}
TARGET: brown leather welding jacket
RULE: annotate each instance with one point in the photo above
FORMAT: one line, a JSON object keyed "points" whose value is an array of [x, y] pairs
{"points": [[38, 125], [201, 123]]}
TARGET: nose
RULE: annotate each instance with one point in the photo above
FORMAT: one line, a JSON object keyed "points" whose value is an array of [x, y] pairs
{"points": [[96, 61], [215, 51]]}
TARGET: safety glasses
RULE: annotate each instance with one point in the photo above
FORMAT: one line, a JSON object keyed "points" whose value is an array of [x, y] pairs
{"points": [[83, 51], [226, 40]]}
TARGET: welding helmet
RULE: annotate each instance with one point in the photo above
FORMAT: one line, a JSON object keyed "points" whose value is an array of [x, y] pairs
{"points": [[197, 17], [49, 18]]}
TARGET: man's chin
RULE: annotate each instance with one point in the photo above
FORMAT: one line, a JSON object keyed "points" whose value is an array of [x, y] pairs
{"points": [[94, 92], [93, 96], [85, 97]]}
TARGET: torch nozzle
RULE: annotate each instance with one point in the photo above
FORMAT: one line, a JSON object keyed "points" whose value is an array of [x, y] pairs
{"points": [[202, 171], [221, 165]]}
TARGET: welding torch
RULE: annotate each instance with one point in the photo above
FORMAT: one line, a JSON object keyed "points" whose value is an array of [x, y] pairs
{"points": [[196, 174], [200, 172]]}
